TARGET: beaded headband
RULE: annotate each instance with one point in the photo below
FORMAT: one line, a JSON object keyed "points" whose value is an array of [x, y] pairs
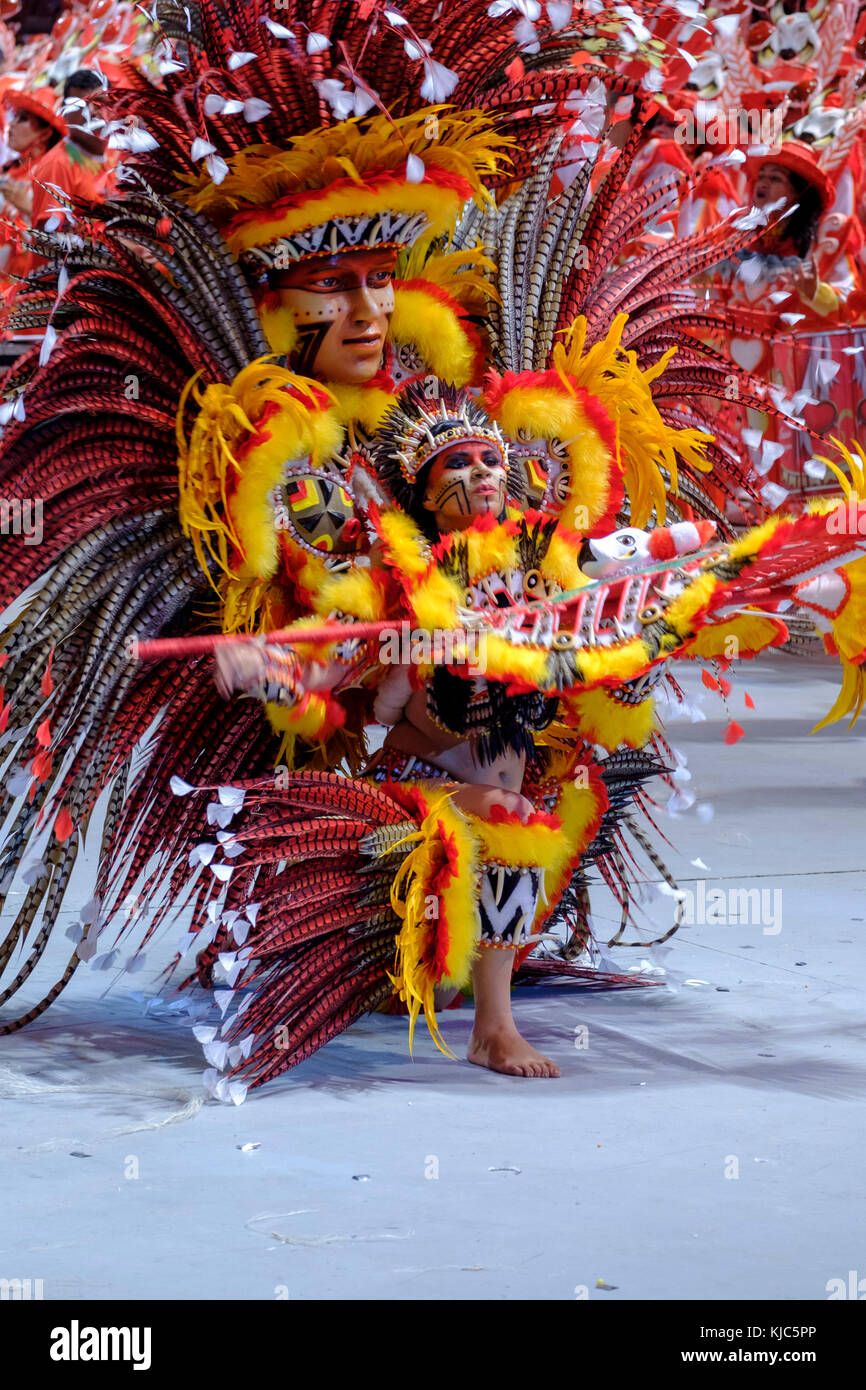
{"points": [[362, 233]]}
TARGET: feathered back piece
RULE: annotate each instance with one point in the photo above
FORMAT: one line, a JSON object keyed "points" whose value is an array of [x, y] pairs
{"points": [[248, 73]]}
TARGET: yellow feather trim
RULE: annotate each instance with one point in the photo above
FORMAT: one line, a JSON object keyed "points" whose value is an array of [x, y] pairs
{"points": [[750, 543], [694, 600], [279, 327], [434, 602], [257, 607], [850, 698], [307, 723], [645, 443], [371, 153], [436, 331], [855, 486], [602, 719], [210, 466], [354, 592], [544, 412], [436, 889], [560, 562], [488, 551], [578, 809], [364, 405], [521, 846], [599, 664], [735, 638], [292, 436], [466, 276], [849, 629], [404, 543], [515, 661], [309, 576]]}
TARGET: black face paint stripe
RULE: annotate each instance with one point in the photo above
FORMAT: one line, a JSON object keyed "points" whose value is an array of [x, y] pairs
{"points": [[455, 490], [310, 339]]}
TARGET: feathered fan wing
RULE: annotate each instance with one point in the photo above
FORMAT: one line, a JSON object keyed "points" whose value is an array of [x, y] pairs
{"points": [[151, 298], [557, 259]]}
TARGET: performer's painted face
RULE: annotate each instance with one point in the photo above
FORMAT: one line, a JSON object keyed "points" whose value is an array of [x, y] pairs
{"points": [[467, 480], [26, 134], [773, 183], [342, 306]]}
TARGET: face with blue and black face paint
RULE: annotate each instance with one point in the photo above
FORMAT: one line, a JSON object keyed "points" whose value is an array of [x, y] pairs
{"points": [[466, 481], [341, 306]]}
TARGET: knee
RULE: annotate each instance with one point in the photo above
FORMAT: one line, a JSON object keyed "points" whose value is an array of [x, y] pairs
{"points": [[484, 801], [517, 805]]}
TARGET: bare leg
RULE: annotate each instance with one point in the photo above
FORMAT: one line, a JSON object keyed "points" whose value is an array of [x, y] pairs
{"points": [[495, 1041]]}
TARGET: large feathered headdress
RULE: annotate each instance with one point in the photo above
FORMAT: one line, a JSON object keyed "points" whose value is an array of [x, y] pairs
{"points": [[321, 127]]}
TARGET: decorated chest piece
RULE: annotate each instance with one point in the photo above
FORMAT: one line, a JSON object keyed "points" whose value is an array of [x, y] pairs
{"points": [[318, 511]]}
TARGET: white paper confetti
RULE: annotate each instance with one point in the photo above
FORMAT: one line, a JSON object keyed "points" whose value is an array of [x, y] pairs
{"points": [[216, 1053], [439, 81], [826, 370], [216, 167], [231, 796], [559, 13], [255, 110], [279, 31], [773, 494], [317, 43], [202, 854], [815, 469]]}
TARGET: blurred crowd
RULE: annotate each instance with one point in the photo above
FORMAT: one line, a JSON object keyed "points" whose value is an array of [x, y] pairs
{"points": [[59, 63]]}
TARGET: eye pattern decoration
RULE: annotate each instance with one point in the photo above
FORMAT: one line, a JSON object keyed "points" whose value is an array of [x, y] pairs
{"points": [[562, 486], [650, 614], [534, 585], [557, 450]]}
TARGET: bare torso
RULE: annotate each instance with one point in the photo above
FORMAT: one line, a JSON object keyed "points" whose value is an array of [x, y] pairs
{"points": [[416, 733]]}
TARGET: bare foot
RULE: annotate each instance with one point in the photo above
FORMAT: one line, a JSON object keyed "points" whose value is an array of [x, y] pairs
{"points": [[503, 1049]]}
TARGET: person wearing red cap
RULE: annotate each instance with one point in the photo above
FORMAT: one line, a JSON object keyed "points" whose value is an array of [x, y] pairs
{"points": [[33, 128], [792, 173], [75, 164]]}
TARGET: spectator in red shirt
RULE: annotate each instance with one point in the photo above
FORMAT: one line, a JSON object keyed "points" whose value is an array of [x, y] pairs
{"points": [[77, 163], [34, 128]]}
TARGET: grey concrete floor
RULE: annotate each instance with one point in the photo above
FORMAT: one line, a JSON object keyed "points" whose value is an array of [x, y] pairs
{"points": [[706, 1143]]}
